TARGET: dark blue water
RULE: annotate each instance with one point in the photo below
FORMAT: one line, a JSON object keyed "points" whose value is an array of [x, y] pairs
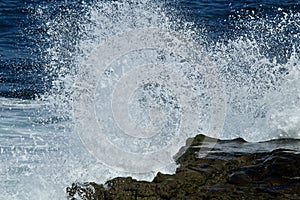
{"points": [[23, 37], [21, 72], [23, 43]]}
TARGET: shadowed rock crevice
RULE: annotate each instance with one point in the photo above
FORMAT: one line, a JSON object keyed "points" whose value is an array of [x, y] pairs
{"points": [[233, 169]]}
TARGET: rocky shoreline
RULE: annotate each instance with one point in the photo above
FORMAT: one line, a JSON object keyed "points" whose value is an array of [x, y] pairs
{"points": [[233, 169]]}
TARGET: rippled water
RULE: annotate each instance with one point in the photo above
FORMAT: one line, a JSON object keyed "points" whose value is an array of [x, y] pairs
{"points": [[251, 48]]}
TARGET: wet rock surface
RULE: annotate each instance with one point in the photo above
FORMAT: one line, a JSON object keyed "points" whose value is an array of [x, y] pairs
{"points": [[233, 169]]}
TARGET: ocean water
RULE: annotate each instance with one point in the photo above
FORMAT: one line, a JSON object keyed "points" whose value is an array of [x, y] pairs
{"points": [[91, 90]]}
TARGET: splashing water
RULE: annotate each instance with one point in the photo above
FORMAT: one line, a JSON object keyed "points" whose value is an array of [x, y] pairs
{"points": [[249, 78], [259, 66], [120, 39], [261, 70]]}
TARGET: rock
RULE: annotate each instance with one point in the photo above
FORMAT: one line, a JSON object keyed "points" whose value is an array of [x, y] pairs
{"points": [[239, 178], [223, 174]]}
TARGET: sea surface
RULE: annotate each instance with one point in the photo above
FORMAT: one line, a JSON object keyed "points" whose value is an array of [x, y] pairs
{"points": [[239, 61]]}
